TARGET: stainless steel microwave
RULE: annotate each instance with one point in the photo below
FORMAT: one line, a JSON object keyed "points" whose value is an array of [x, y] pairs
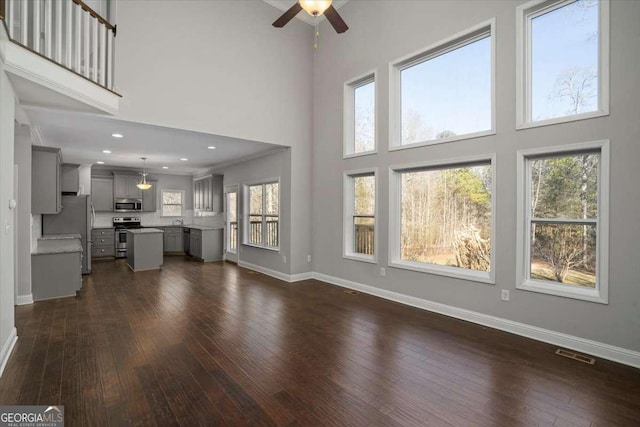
{"points": [[127, 205]]}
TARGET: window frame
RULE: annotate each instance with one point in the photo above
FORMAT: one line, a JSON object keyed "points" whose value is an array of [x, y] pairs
{"points": [[162, 204], [600, 294], [525, 13], [441, 47], [247, 214], [348, 233], [349, 106], [395, 216], [231, 189]]}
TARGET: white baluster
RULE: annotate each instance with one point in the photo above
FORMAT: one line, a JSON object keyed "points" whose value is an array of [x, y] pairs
{"points": [[58, 32], [94, 49], [77, 37], [68, 34], [24, 20], [109, 65], [36, 33], [86, 22], [102, 74], [9, 17], [48, 24]]}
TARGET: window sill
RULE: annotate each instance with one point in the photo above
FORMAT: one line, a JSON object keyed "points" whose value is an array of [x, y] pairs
{"points": [[480, 134], [566, 291], [364, 153], [362, 258], [441, 270], [560, 120], [262, 247]]}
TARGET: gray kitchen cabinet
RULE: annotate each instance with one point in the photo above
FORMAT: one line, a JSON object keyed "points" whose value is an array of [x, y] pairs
{"points": [[103, 242], [55, 275], [207, 194], [173, 240], [46, 180], [125, 186], [206, 245], [70, 178], [102, 194], [150, 197]]}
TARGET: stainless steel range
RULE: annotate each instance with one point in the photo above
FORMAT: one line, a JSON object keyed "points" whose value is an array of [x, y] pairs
{"points": [[121, 225]]}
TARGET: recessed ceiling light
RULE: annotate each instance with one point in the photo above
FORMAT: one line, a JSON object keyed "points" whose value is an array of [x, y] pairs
{"points": [[184, 160], [211, 147], [106, 151], [100, 163], [117, 135], [165, 167]]}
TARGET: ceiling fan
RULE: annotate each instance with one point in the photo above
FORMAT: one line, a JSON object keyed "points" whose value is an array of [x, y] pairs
{"points": [[314, 8]]}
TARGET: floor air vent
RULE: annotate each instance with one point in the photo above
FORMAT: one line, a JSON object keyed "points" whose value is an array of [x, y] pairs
{"points": [[575, 356], [351, 292]]}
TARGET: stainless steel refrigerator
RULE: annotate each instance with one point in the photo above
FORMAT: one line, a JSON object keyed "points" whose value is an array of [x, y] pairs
{"points": [[74, 218]]}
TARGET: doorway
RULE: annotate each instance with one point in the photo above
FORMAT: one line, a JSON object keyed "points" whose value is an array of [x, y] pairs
{"points": [[231, 227]]}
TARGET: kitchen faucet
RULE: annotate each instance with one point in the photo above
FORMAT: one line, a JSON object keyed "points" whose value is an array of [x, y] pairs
{"points": [[178, 221]]}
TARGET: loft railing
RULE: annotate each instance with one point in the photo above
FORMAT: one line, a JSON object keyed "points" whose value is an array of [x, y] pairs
{"points": [[67, 32]]}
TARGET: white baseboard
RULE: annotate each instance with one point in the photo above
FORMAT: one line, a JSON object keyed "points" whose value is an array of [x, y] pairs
{"points": [[7, 348], [277, 274], [598, 349], [24, 299]]}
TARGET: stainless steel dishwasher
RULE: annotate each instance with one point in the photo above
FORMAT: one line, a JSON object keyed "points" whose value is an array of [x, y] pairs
{"points": [[186, 239]]}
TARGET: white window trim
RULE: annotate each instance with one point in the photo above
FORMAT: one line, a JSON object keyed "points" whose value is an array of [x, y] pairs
{"points": [[524, 14], [443, 46], [247, 212], [348, 126], [395, 196], [347, 218], [601, 293], [168, 190]]}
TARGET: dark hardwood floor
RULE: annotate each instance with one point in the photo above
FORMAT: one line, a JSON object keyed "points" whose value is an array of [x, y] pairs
{"points": [[212, 344]]}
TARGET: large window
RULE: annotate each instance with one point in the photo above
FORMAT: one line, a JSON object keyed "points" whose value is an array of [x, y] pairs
{"points": [[360, 215], [563, 219], [172, 202], [444, 93], [563, 61], [442, 219], [360, 116], [263, 220]]}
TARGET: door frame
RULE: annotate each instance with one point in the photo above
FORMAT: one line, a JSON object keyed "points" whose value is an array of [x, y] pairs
{"points": [[228, 255]]}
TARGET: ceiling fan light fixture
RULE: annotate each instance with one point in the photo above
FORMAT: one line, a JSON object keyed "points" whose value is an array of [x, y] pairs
{"points": [[315, 7]]}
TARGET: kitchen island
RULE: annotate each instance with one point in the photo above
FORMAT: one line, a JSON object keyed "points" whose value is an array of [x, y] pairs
{"points": [[144, 249]]}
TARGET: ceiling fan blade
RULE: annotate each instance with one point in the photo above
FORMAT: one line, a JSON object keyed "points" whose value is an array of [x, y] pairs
{"points": [[335, 20], [288, 16]]}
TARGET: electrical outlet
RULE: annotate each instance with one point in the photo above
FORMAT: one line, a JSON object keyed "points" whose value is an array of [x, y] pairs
{"points": [[505, 295], [308, 258], [383, 271], [284, 259]]}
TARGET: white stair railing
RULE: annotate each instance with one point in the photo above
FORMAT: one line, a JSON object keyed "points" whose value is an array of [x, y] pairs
{"points": [[67, 32]]}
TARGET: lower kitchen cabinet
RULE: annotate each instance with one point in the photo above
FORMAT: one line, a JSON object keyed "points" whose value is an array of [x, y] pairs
{"points": [[102, 242], [55, 275], [173, 240], [206, 245]]}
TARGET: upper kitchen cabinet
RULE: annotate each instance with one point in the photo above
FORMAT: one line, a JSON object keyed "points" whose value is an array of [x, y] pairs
{"points": [[150, 197], [46, 180], [207, 194], [70, 178], [102, 194], [125, 186]]}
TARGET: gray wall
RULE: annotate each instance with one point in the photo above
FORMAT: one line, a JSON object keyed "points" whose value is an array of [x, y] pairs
{"points": [[23, 255], [273, 166], [7, 248], [371, 43]]}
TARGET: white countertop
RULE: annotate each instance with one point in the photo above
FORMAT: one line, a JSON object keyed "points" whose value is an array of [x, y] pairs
{"points": [[58, 246], [144, 230], [59, 236]]}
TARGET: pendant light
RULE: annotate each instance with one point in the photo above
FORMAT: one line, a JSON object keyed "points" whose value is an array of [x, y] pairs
{"points": [[143, 184]]}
